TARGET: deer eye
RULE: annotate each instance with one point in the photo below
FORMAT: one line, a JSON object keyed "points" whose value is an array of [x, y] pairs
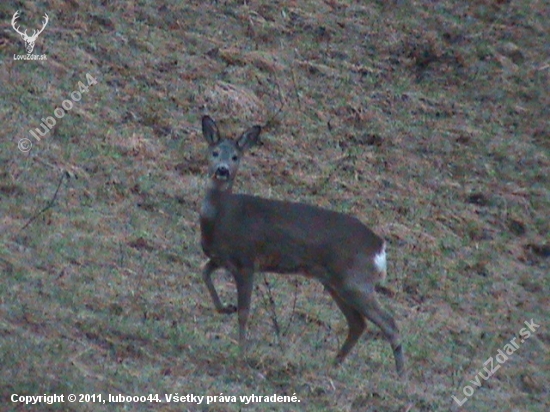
{"points": [[235, 158], [215, 153]]}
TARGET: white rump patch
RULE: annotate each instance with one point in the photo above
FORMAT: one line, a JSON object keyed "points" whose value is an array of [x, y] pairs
{"points": [[380, 260]]}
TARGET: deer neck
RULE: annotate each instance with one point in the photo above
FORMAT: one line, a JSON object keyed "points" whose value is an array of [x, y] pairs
{"points": [[212, 202], [210, 211]]}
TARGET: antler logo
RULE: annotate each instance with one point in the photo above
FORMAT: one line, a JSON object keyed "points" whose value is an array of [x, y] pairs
{"points": [[29, 40]]}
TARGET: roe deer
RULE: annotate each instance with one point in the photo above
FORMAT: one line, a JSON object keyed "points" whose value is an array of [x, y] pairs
{"points": [[244, 234]]}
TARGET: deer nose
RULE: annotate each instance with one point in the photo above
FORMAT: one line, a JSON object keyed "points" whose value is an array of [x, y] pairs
{"points": [[222, 171]]}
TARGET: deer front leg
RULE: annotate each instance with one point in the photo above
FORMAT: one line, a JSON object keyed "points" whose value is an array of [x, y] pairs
{"points": [[209, 268], [244, 278]]}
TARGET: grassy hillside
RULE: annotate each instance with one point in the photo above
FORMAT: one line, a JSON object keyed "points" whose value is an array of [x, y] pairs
{"points": [[429, 121]]}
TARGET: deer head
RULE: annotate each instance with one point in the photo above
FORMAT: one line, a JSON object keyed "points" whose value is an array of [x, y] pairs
{"points": [[29, 40]]}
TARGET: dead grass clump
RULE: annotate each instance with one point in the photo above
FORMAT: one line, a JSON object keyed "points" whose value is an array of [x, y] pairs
{"points": [[229, 100]]}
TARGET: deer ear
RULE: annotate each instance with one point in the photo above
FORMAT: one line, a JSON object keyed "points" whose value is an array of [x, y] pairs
{"points": [[210, 130], [249, 138]]}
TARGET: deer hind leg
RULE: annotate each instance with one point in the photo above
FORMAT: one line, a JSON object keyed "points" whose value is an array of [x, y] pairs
{"points": [[210, 268], [356, 325], [363, 299]]}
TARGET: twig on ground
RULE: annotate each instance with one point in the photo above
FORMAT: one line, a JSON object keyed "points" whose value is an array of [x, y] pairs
{"points": [[50, 203]]}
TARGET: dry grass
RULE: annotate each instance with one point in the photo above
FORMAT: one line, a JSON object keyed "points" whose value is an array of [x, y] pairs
{"points": [[427, 120]]}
